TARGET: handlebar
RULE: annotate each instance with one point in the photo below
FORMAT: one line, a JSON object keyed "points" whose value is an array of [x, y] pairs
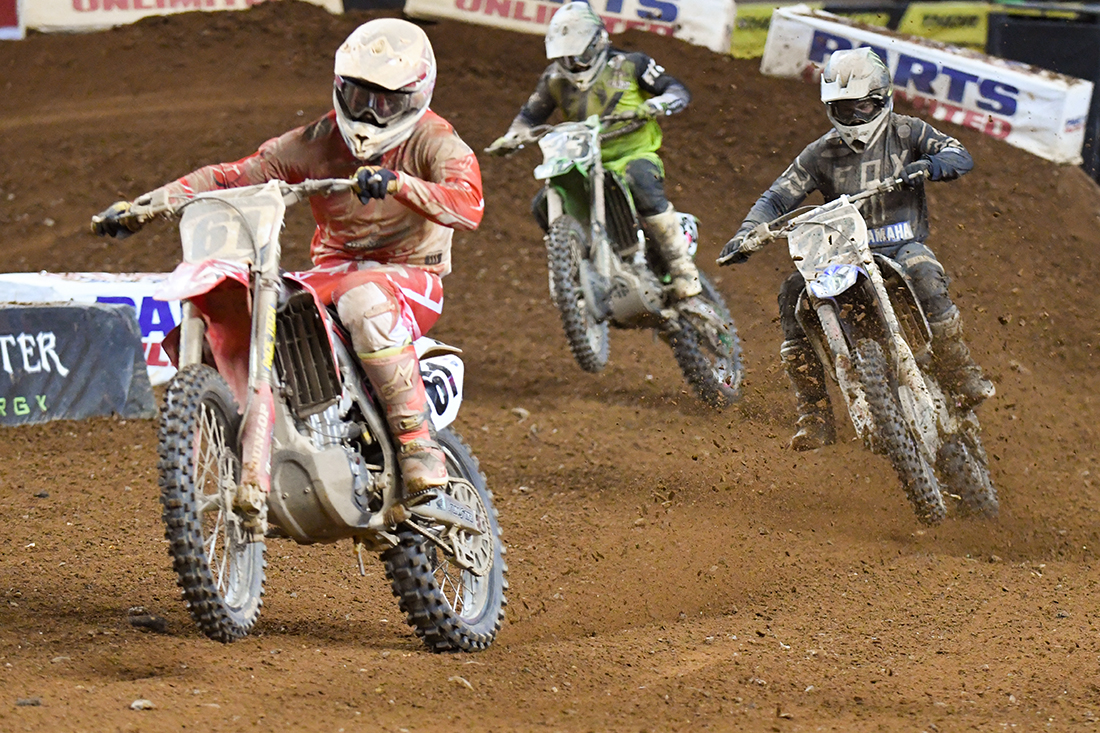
{"points": [[765, 232], [157, 203], [536, 133]]}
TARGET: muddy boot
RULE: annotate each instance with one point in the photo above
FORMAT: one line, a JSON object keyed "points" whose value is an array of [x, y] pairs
{"points": [[815, 413], [665, 230], [952, 365], [395, 375]]}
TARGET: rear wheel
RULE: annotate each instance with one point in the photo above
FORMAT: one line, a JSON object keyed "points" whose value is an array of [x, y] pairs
{"points": [[452, 608], [708, 350], [220, 570], [894, 436], [587, 337]]}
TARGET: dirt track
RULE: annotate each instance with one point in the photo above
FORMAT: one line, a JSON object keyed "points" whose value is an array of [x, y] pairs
{"points": [[671, 568]]}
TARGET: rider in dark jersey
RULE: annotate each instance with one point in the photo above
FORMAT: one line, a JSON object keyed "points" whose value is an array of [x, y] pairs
{"points": [[869, 143]]}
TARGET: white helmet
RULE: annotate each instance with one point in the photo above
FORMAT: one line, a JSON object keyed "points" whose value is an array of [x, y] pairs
{"points": [[577, 40], [858, 95], [385, 74]]}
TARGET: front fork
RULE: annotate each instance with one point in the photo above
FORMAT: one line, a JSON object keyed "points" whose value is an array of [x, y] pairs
{"points": [[258, 423], [854, 397]]}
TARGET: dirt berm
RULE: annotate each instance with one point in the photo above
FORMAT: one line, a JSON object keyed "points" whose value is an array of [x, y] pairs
{"points": [[672, 568]]}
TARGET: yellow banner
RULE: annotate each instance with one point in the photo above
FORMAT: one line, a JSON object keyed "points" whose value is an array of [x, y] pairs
{"points": [[957, 23], [750, 27]]}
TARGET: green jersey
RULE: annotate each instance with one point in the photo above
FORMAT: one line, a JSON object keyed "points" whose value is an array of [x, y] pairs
{"points": [[625, 82]]}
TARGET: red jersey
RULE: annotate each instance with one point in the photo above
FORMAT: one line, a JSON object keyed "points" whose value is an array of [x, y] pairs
{"points": [[439, 190]]}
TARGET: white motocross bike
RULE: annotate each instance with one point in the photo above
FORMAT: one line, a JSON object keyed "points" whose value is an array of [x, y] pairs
{"points": [[270, 430], [861, 315]]}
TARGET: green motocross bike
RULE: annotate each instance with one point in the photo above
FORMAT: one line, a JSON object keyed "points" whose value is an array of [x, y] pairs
{"points": [[605, 271]]}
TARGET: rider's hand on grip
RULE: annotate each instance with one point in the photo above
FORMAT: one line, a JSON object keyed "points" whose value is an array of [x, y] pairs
{"points": [[374, 183], [507, 143], [734, 252], [113, 222], [649, 109], [915, 173]]}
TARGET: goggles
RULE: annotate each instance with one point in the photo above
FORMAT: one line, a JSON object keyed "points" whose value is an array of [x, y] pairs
{"points": [[365, 102], [585, 59], [857, 111]]}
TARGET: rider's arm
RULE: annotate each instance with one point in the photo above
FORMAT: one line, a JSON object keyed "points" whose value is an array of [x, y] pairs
{"points": [[539, 106], [451, 194], [668, 92], [947, 156], [787, 192], [262, 166]]}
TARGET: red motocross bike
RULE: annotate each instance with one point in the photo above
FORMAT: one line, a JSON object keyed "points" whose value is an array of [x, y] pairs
{"points": [[270, 430]]}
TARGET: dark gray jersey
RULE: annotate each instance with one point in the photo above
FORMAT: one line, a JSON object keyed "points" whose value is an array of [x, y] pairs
{"points": [[830, 166]]}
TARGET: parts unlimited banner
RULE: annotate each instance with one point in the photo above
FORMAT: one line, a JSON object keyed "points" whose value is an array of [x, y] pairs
{"points": [[1039, 111], [706, 23]]}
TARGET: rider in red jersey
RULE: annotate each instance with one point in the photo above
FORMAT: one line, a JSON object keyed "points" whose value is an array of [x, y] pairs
{"points": [[378, 255]]}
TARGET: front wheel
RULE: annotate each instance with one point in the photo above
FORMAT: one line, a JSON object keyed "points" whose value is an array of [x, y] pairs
{"points": [[449, 607], [708, 350], [220, 569], [587, 337], [964, 468], [896, 439]]}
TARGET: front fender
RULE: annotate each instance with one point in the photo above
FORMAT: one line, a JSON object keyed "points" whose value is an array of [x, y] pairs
{"points": [[219, 290], [195, 278], [907, 307]]}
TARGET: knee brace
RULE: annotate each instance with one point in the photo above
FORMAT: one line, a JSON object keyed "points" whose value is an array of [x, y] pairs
{"points": [[372, 314]]}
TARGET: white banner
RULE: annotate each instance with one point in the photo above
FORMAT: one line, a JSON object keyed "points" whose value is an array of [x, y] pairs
{"points": [[702, 22], [11, 20], [1042, 112], [68, 15], [156, 317]]}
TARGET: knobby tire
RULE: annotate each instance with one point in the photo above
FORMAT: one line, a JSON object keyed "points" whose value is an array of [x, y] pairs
{"points": [[421, 575], [588, 340], [198, 432], [963, 466], [897, 441], [715, 377]]}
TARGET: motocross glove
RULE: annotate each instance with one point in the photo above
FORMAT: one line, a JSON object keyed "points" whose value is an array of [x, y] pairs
{"points": [[655, 107], [733, 251], [109, 223], [506, 143], [937, 171], [915, 173], [375, 183]]}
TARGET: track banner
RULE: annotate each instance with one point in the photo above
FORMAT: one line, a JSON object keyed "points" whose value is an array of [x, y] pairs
{"points": [[1036, 110], [69, 15], [957, 23], [155, 317], [69, 362], [11, 20], [706, 23]]}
